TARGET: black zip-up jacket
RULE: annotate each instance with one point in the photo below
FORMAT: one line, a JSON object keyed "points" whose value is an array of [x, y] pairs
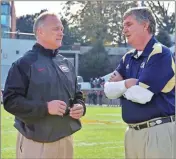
{"points": [[40, 76]]}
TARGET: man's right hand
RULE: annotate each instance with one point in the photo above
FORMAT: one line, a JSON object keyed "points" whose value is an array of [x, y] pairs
{"points": [[57, 107], [115, 77]]}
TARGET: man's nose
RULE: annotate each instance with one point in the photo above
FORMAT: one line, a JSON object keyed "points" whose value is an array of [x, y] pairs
{"points": [[124, 30], [61, 33]]}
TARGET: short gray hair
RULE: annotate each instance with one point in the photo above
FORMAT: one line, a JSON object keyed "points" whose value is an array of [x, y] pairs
{"points": [[142, 14], [40, 20]]}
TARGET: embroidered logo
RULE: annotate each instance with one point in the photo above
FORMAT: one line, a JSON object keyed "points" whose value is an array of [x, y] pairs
{"points": [[142, 65], [127, 66], [41, 69], [64, 68], [159, 122]]}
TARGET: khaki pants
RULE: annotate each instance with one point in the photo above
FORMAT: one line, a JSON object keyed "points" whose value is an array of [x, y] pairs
{"points": [[154, 142], [29, 149]]}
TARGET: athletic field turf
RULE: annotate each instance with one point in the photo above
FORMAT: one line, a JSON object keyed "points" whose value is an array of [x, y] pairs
{"points": [[102, 135]]}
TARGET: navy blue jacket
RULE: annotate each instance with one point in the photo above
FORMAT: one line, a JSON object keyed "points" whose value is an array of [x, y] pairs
{"points": [[155, 71]]}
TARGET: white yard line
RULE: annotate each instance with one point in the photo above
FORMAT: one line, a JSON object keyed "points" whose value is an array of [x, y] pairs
{"points": [[87, 121], [100, 128], [109, 114], [113, 147], [8, 148], [98, 143]]}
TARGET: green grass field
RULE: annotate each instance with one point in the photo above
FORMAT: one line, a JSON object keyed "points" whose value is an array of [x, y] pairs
{"points": [[102, 135]]}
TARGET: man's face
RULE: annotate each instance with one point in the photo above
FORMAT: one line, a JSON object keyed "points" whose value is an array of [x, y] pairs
{"points": [[51, 32], [133, 30]]}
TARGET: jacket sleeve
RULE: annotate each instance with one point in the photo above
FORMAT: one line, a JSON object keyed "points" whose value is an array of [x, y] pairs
{"points": [[79, 98], [121, 69], [14, 96]]}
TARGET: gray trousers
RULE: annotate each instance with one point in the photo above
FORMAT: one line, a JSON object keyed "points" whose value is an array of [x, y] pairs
{"points": [[154, 142]]}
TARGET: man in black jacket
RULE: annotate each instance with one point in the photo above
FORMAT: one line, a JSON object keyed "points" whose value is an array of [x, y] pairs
{"points": [[41, 92]]}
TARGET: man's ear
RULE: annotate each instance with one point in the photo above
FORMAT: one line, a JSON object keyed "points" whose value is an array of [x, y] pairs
{"points": [[146, 26], [39, 31]]}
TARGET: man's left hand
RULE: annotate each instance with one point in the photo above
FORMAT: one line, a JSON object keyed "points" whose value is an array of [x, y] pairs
{"points": [[115, 77], [76, 111], [130, 82]]}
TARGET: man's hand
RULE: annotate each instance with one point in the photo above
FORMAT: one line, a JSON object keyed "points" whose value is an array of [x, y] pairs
{"points": [[115, 77], [57, 107], [77, 111], [130, 82]]}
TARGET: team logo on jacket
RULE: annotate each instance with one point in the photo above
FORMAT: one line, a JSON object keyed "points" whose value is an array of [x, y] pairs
{"points": [[64, 68], [142, 65], [127, 66]]}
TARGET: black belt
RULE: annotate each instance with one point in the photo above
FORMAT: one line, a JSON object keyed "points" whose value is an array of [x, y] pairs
{"points": [[154, 122]]}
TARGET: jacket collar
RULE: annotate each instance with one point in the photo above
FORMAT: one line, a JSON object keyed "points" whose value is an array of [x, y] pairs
{"points": [[46, 52], [148, 48]]}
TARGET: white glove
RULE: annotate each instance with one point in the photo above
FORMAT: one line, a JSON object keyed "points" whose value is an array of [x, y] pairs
{"points": [[114, 90]]}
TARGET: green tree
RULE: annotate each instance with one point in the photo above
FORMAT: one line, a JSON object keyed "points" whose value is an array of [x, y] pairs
{"points": [[165, 20], [25, 23], [164, 38], [71, 34], [95, 62]]}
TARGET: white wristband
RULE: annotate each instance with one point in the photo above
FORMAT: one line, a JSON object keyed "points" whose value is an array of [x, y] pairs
{"points": [[114, 90], [138, 94]]}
